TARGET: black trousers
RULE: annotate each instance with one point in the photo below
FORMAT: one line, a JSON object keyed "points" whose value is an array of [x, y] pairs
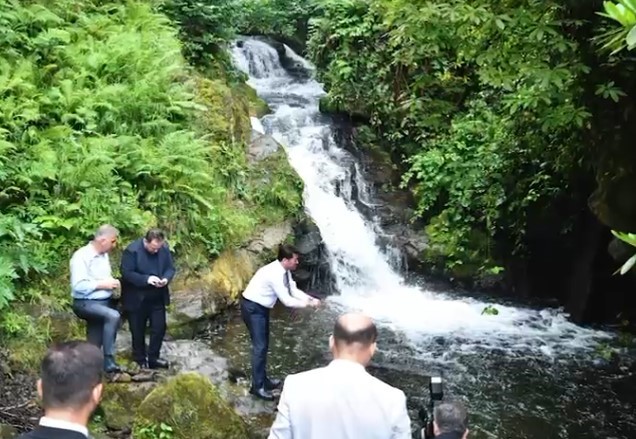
{"points": [[256, 318], [152, 309]]}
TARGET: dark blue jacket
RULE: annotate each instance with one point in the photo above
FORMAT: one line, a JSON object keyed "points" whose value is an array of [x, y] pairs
{"points": [[137, 265], [51, 433]]}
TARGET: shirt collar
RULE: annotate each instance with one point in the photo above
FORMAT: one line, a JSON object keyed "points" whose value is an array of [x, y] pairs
{"points": [[279, 266], [90, 249], [63, 425], [346, 363]]}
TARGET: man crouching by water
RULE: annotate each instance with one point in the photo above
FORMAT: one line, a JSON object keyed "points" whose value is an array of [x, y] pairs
{"points": [[342, 400], [269, 284], [92, 286]]}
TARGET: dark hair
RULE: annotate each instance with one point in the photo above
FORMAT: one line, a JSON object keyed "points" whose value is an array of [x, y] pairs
{"points": [[70, 371], [153, 234], [286, 251], [365, 336], [451, 417]]}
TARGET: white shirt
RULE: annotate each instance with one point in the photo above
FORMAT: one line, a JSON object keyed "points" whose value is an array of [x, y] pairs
{"points": [[87, 268], [63, 425], [269, 284], [340, 401]]}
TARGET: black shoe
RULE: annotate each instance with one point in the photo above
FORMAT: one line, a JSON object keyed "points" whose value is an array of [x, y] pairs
{"points": [[159, 363], [110, 366], [273, 383], [262, 394], [142, 364]]}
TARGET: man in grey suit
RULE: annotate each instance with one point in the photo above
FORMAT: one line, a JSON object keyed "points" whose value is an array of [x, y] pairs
{"points": [[342, 400]]}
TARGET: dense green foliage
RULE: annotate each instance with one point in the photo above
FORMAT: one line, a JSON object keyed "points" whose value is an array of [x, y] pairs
{"points": [[624, 35], [282, 19], [493, 109], [102, 120]]}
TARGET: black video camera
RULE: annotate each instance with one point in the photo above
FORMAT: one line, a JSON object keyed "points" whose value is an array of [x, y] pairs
{"points": [[436, 391]]}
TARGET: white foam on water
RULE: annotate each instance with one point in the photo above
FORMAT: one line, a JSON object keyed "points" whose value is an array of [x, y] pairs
{"points": [[363, 273]]}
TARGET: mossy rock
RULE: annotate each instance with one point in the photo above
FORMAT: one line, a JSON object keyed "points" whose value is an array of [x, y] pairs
{"points": [[211, 292], [328, 105], [257, 106], [192, 407], [227, 116], [120, 401], [7, 432], [231, 272]]}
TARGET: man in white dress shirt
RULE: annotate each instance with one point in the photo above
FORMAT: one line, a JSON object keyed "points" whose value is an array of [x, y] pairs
{"points": [[270, 283], [342, 400]]}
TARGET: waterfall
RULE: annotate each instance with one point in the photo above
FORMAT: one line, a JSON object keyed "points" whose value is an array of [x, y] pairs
{"points": [[364, 273]]}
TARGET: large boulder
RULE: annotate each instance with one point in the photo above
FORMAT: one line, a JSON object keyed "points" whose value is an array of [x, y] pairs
{"points": [[265, 246], [120, 401], [210, 293], [191, 406]]}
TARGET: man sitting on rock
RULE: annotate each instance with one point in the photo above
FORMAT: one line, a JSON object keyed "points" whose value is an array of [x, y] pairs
{"points": [[70, 387], [92, 286], [342, 400]]}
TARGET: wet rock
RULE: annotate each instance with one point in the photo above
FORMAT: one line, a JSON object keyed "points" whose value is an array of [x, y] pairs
{"points": [[391, 208], [314, 271], [261, 147], [264, 247], [196, 356], [143, 377], [193, 407], [121, 378]]}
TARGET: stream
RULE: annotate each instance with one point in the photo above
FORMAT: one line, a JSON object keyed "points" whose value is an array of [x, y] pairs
{"points": [[526, 372]]}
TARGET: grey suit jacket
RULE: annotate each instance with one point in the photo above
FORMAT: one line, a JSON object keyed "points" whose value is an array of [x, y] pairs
{"points": [[340, 401]]}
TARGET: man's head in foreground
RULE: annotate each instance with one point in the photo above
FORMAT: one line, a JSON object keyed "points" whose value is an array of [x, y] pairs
{"points": [[354, 338], [451, 418], [70, 384]]}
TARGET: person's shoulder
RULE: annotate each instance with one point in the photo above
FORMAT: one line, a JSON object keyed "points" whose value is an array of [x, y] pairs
{"points": [[135, 245], [81, 252], [305, 376], [28, 435], [267, 268], [386, 389]]}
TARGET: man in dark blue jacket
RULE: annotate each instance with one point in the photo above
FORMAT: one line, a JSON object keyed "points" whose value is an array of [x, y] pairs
{"points": [[146, 269]]}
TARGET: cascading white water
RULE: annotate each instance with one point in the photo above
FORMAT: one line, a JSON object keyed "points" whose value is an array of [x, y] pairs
{"points": [[364, 276]]}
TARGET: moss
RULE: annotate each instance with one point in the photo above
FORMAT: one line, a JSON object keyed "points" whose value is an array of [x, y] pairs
{"points": [[120, 402], [231, 272], [278, 190], [191, 405], [7, 432], [331, 106], [257, 106], [227, 115]]}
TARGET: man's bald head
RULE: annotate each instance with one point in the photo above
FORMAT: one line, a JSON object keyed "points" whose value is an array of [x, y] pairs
{"points": [[354, 329]]}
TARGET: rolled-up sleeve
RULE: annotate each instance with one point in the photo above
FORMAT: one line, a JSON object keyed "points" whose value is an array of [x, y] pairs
{"points": [[297, 293], [283, 295], [81, 282]]}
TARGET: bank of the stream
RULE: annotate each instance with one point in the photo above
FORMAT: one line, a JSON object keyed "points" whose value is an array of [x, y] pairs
{"points": [[510, 393]]}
